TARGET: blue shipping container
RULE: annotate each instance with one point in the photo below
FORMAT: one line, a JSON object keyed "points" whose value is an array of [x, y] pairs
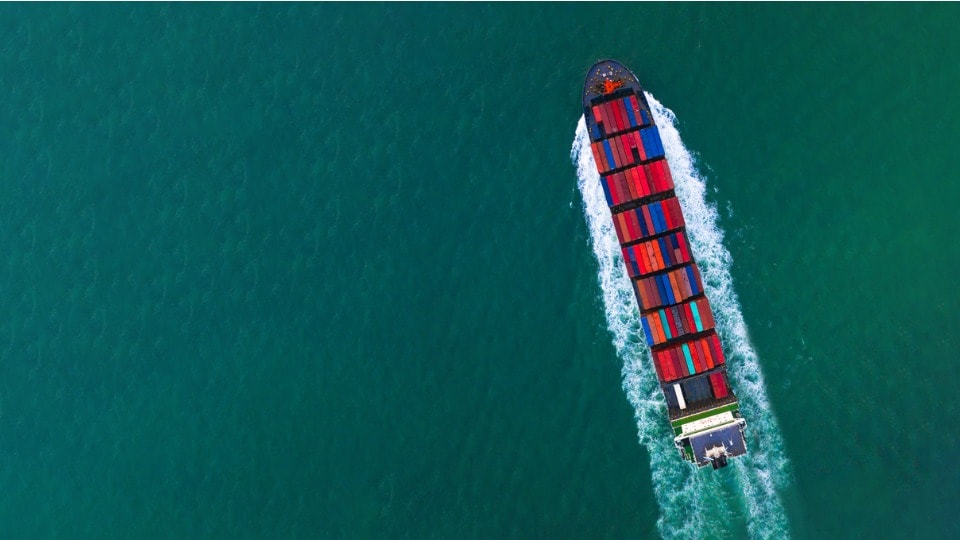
{"points": [[664, 281], [693, 280], [666, 253], [646, 331], [629, 109], [606, 191], [661, 223], [609, 151]]}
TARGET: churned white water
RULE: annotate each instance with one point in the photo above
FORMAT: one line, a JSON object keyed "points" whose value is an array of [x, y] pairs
{"points": [[692, 503]]}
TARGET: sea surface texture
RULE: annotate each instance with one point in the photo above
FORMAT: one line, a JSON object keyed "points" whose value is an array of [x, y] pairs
{"points": [[329, 271]]}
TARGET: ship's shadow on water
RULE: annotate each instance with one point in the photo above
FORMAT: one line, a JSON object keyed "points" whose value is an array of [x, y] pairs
{"points": [[742, 499]]}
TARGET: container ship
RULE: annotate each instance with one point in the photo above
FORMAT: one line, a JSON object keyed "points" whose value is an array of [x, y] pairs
{"points": [[675, 313]]}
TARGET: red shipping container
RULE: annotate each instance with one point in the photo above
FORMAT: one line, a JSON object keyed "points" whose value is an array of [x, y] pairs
{"points": [[668, 366], [636, 140], [616, 115], [665, 212], [643, 293], [628, 178], [704, 347], [682, 285], [598, 157], [654, 292], [617, 152], [706, 315], [651, 256], [622, 179], [719, 385], [695, 355], [649, 300], [664, 328], [667, 176], [661, 372], [607, 166], [679, 293], [618, 226], [623, 104], [626, 147], [634, 179], [645, 176], [615, 193], [658, 336], [661, 178], [687, 320], [676, 215], [707, 355], [671, 324], [653, 176], [667, 362], [640, 183], [608, 124], [629, 226], [618, 160], [684, 282], [682, 240], [661, 260], [636, 216], [685, 310], [633, 229], [612, 114], [624, 188], [673, 286], [716, 350], [611, 123], [641, 260], [623, 114], [674, 363], [625, 150], [635, 105], [623, 193], [647, 219]]}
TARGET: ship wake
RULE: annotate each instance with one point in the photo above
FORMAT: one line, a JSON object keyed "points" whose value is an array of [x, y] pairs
{"points": [[692, 504]]}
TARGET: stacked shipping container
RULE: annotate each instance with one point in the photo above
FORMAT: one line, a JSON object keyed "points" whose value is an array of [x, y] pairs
{"points": [[676, 317]]}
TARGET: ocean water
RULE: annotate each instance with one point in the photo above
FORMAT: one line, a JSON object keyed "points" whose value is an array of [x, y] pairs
{"points": [[339, 271]]}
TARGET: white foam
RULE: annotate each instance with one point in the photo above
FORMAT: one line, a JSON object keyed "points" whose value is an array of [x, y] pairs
{"points": [[691, 505]]}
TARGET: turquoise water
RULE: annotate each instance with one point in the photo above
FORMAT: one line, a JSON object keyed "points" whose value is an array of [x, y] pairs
{"points": [[328, 271]]}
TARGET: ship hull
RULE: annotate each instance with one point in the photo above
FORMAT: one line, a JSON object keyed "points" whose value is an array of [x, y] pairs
{"points": [[675, 313]]}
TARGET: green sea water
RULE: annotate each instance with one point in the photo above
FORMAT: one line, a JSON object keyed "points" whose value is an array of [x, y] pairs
{"points": [[325, 271]]}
